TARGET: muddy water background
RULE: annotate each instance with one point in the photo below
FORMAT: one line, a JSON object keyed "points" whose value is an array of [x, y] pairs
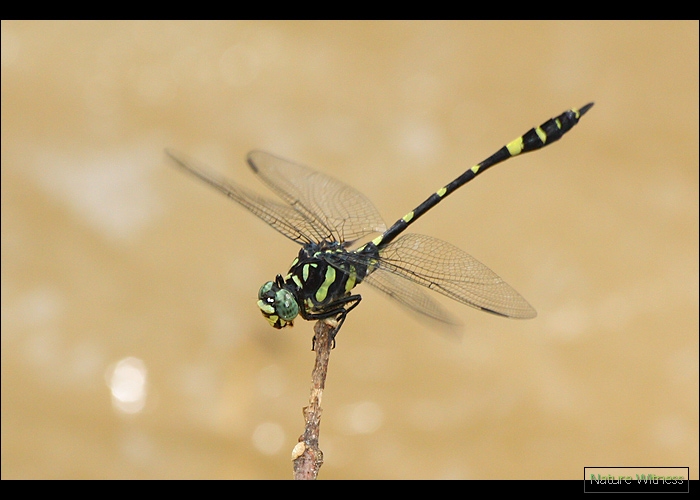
{"points": [[131, 343]]}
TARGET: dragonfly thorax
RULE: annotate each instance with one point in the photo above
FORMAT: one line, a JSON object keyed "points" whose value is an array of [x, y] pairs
{"points": [[317, 286]]}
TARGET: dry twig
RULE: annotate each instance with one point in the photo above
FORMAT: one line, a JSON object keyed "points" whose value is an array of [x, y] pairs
{"points": [[306, 456]]}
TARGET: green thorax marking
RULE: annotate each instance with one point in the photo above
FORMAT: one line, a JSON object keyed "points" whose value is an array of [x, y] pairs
{"points": [[322, 291]]}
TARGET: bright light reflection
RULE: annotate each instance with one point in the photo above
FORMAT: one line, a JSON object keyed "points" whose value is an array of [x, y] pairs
{"points": [[364, 418], [268, 438], [128, 385]]}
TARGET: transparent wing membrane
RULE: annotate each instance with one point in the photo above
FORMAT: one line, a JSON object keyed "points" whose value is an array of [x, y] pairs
{"points": [[408, 294], [282, 217], [339, 212], [317, 207], [442, 267]]}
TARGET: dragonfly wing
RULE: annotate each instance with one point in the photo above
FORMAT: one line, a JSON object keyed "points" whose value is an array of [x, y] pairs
{"points": [[284, 218], [339, 212], [409, 295], [450, 271]]}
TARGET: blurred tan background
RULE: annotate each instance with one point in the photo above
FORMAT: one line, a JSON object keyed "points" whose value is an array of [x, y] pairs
{"points": [[131, 343]]}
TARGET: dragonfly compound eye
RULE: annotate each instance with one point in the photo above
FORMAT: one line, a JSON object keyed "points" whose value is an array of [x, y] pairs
{"points": [[277, 305], [264, 290], [285, 305]]}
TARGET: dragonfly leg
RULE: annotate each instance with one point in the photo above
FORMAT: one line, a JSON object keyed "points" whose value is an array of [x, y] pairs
{"points": [[339, 310]]}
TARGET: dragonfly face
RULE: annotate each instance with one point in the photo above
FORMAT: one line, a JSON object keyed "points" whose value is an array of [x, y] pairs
{"points": [[277, 303]]}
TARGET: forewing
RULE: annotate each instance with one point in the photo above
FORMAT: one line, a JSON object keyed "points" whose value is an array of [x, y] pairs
{"points": [[338, 211], [450, 271], [284, 218]]}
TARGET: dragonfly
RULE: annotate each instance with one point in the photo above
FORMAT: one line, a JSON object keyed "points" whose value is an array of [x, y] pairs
{"points": [[333, 221]]}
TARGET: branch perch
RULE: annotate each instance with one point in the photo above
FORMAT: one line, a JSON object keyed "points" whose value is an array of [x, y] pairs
{"points": [[306, 455]]}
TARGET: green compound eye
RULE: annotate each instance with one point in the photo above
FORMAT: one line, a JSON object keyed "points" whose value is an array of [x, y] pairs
{"points": [[264, 289], [285, 305], [277, 304]]}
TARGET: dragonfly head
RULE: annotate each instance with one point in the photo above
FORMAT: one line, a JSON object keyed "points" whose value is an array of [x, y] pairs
{"points": [[277, 304]]}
